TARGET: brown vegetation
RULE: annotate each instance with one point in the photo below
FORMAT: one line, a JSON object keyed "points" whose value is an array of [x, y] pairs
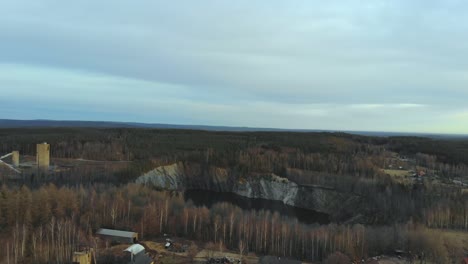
{"points": [[43, 219], [39, 226]]}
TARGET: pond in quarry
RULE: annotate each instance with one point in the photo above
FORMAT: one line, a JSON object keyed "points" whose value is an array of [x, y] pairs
{"points": [[210, 198]]}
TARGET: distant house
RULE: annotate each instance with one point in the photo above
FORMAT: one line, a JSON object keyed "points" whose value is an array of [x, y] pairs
{"points": [[138, 255], [277, 260], [118, 235]]}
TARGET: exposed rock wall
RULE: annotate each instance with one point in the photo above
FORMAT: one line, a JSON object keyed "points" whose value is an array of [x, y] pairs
{"points": [[274, 188], [181, 176], [168, 177]]}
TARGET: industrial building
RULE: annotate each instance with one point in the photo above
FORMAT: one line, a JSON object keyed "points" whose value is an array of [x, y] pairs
{"points": [[15, 159], [42, 160], [83, 257], [43, 156], [118, 236]]}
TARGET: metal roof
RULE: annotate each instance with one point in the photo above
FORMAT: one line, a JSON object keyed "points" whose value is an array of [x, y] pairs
{"points": [[135, 249], [116, 233]]}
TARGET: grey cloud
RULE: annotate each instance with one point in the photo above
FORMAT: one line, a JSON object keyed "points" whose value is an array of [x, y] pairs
{"points": [[290, 56]]}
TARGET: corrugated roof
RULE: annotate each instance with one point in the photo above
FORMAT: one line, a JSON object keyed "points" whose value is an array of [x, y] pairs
{"points": [[135, 249], [116, 233]]}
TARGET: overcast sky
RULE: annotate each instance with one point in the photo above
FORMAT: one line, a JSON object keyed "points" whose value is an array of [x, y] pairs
{"points": [[343, 65]]}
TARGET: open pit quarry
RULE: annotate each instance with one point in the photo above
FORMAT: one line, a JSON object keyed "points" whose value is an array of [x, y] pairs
{"points": [[180, 177]]}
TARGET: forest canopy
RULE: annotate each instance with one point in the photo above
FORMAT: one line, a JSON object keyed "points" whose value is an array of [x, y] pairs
{"points": [[398, 208]]}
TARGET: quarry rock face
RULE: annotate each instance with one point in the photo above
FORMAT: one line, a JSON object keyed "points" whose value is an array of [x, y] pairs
{"points": [[164, 177], [181, 177], [274, 188]]}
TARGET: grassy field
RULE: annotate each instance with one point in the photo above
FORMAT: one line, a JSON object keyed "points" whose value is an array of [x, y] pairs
{"points": [[458, 237], [397, 173], [401, 176]]}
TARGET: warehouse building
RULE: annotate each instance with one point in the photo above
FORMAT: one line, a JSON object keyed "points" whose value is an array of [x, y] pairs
{"points": [[118, 236]]}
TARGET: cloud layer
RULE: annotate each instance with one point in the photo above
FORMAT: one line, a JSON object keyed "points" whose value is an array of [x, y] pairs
{"points": [[344, 65]]}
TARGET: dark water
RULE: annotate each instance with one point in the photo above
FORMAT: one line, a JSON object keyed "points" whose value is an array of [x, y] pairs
{"points": [[209, 198]]}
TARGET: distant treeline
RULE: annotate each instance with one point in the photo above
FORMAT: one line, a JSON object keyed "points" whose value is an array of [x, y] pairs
{"points": [[140, 143], [336, 153]]}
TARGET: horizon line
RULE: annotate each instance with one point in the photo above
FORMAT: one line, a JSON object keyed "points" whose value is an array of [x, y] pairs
{"points": [[135, 124]]}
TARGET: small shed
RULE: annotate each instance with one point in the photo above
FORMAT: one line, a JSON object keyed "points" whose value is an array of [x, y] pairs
{"points": [[135, 249], [118, 235], [138, 255]]}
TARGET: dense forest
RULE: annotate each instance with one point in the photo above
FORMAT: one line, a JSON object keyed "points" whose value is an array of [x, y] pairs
{"points": [[43, 218], [46, 224]]}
